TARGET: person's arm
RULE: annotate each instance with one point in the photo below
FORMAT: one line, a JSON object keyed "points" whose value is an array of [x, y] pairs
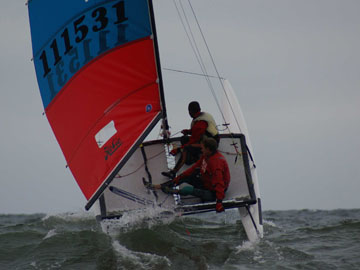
{"points": [[219, 185], [186, 131], [197, 131], [188, 172]]}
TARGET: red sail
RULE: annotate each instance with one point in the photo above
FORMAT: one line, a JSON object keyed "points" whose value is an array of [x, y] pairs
{"points": [[97, 68], [91, 101]]}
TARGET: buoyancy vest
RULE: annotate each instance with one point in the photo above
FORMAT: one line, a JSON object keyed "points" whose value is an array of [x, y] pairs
{"points": [[208, 168], [207, 117], [214, 171]]}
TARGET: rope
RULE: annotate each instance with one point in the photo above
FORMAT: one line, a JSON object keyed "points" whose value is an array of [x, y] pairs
{"points": [[196, 51], [147, 170], [207, 47], [215, 67], [192, 73], [142, 165], [221, 80]]}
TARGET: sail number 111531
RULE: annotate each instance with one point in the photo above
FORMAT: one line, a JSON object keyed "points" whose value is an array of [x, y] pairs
{"points": [[80, 30]]}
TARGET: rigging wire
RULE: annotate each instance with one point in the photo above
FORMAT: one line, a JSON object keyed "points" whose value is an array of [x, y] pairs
{"points": [[214, 65], [196, 51], [192, 73], [140, 166], [219, 77], [187, 34]]}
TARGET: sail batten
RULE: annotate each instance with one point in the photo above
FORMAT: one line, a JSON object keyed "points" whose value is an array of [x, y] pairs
{"points": [[97, 66]]}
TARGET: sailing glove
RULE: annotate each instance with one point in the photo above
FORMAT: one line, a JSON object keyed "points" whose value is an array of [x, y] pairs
{"points": [[219, 206], [186, 131], [174, 151], [176, 180]]}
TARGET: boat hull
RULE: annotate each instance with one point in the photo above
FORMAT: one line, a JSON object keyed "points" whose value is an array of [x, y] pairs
{"points": [[251, 217], [127, 192]]}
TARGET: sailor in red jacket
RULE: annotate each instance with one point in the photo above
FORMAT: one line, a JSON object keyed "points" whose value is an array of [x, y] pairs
{"points": [[209, 177], [202, 126]]}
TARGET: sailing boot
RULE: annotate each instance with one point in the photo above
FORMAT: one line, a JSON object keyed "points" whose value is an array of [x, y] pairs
{"points": [[148, 185], [168, 189], [170, 174]]}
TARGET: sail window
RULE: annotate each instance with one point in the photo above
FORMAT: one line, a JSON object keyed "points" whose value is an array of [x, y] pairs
{"points": [[105, 134]]}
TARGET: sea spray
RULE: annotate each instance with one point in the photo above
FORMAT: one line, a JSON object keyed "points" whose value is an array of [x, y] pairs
{"points": [[297, 239]]}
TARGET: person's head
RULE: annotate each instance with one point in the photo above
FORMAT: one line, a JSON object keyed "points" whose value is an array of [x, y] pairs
{"points": [[194, 108], [209, 146]]}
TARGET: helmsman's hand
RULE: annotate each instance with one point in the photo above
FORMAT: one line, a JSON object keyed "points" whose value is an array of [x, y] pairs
{"points": [[174, 151], [219, 206], [176, 180], [185, 131]]}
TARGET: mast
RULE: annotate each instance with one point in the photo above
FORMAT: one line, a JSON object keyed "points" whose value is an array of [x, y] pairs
{"points": [[165, 125]]}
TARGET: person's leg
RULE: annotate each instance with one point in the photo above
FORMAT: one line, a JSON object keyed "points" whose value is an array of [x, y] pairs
{"points": [[193, 180], [172, 173], [203, 194], [189, 155], [180, 162]]}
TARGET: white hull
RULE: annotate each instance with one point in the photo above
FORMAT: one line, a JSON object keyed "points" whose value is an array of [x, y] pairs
{"points": [[234, 117], [128, 193]]}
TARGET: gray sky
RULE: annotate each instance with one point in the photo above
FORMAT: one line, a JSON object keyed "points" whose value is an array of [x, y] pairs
{"points": [[295, 68]]}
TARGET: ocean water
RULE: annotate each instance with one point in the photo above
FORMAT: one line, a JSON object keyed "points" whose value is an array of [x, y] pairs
{"points": [[306, 239]]}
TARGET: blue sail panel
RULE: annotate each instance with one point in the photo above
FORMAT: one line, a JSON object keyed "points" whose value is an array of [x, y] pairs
{"points": [[97, 67], [68, 34]]}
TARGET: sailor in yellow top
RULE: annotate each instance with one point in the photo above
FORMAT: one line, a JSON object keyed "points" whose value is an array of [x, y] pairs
{"points": [[202, 126]]}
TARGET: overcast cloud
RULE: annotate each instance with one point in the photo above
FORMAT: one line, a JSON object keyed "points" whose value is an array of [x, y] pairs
{"points": [[295, 68]]}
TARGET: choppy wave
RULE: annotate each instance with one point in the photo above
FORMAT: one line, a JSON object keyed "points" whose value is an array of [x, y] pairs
{"points": [[305, 239]]}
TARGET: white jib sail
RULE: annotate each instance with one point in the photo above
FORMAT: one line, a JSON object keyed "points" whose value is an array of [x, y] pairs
{"points": [[236, 124]]}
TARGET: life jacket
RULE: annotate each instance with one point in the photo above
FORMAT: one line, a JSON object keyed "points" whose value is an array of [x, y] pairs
{"points": [[211, 129], [208, 166]]}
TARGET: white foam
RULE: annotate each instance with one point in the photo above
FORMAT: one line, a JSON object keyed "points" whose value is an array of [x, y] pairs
{"points": [[268, 222], [141, 260], [144, 218], [245, 246], [252, 247], [71, 216], [50, 234], [258, 257]]}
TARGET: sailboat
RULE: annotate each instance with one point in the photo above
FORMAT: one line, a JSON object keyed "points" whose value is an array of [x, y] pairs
{"points": [[99, 73]]}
